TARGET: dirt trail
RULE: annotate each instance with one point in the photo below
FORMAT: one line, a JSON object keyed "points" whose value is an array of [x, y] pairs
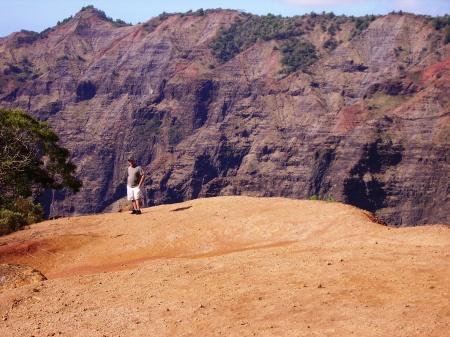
{"points": [[232, 266]]}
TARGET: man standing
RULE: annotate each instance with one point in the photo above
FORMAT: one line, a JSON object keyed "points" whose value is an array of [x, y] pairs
{"points": [[135, 180]]}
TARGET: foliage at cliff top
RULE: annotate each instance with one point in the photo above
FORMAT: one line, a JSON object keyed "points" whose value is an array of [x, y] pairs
{"points": [[32, 161], [291, 32]]}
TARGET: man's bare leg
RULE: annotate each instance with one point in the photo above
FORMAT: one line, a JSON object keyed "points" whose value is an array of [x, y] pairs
{"points": [[133, 202], [136, 206]]}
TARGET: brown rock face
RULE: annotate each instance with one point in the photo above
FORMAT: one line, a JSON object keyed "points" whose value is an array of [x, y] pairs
{"points": [[367, 124]]}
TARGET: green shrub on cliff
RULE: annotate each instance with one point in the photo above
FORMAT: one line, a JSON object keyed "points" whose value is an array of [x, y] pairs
{"points": [[249, 29], [290, 32], [297, 55], [440, 22], [15, 214]]}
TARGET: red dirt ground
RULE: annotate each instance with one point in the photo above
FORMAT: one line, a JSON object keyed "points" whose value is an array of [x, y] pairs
{"points": [[231, 266]]}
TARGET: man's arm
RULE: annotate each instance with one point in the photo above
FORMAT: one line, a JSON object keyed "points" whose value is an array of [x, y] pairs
{"points": [[142, 179]]}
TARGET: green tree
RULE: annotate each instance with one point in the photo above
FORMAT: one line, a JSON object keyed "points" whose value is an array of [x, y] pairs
{"points": [[32, 161], [447, 35], [298, 55]]}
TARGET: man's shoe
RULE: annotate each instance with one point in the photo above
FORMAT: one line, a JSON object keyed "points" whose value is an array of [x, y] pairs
{"points": [[138, 211], [134, 211]]}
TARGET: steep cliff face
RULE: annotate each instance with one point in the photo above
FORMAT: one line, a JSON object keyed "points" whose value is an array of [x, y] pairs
{"points": [[367, 124]]}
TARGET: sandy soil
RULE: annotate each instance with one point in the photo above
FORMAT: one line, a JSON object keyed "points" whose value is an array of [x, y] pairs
{"points": [[231, 266]]}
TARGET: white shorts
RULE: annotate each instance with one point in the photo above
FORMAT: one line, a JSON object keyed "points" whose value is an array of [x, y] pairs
{"points": [[133, 193]]}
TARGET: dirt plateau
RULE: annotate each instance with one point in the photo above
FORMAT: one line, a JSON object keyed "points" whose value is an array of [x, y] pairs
{"points": [[232, 266]]}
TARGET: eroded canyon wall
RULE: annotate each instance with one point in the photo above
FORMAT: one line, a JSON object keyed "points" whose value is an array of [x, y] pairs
{"points": [[366, 124]]}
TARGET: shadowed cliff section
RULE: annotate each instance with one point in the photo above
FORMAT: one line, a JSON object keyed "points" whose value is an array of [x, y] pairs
{"points": [[354, 110]]}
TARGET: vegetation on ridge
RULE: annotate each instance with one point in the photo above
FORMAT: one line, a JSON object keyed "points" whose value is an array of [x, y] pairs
{"points": [[31, 36], [290, 32], [102, 15]]}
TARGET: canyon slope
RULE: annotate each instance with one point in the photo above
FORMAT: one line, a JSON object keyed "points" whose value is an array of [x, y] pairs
{"points": [[368, 123]]}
